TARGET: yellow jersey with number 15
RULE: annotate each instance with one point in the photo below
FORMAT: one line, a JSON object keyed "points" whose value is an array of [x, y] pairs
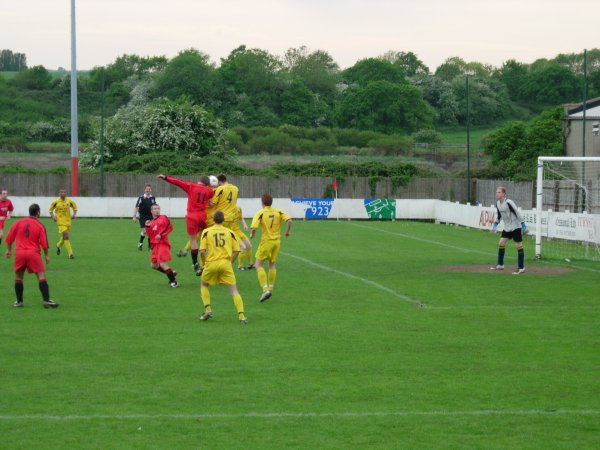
{"points": [[219, 243]]}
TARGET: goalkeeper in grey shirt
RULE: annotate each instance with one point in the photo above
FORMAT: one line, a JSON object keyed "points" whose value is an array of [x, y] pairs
{"points": [[514, 228]]}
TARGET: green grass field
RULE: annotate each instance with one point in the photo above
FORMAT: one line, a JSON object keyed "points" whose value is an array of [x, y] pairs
{"points": [[375, 337]]}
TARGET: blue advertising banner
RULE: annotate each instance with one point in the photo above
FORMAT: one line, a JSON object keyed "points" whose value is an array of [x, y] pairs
{"points": [[316, 208]]}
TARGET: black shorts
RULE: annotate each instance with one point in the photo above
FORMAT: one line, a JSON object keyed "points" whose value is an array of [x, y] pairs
{"points": [[515, 235], [143, 219]]}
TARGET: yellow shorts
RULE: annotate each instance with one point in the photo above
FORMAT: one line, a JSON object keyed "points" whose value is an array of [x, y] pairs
{"points": [[239, 234], [218, 272], [268, 250], [63, 228]]}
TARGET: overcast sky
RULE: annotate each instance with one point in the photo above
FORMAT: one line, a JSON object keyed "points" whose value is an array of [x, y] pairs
{"points": [[486, 31]]}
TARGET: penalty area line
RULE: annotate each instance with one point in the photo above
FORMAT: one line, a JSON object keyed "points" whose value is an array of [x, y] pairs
{"points": [[267, 415], [381, 287]]}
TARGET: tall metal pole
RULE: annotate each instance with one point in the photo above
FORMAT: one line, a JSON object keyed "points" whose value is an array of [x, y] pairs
{"points": [[468, 146], [102, 138], [585, 89], [74, 130]]}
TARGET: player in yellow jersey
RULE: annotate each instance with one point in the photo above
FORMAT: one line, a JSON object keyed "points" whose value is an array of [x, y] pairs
{"points": [[60, 209], [225, 199], [245, 244], [270, 220], [218, 250]]}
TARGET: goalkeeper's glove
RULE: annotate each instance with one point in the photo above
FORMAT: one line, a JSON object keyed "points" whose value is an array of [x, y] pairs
{"points": [[523, 228], [494, 227]]}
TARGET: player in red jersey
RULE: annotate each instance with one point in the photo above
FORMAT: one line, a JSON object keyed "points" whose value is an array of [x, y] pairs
{"points": [[157, 231], [6, 207], [30, 235], [198, 195]]}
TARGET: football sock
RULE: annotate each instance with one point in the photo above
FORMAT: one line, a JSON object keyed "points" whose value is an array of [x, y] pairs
{"points": [[205, 295], [262, 279], [60, 242], [272, 276], [521, 257], [45, 290], [188, 246], [0, 241], [241, 259], [501, 256], [142, 236], [170, 275], [160, 269], [239, 306], [249, 256], [195, 256], [19, 290], [68, 247]]}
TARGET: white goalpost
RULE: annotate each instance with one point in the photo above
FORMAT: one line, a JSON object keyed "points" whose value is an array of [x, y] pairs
{"points": [[567, 222]]}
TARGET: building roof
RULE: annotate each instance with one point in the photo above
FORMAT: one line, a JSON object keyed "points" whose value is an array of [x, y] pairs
{"points": [[592, 110]]}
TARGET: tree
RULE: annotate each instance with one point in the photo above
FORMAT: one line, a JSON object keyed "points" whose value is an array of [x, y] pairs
{"points": [[317, 70], [164, 125], [440, 95], [408, 61], [124, 67], [36, 78], [369, 70], [454, 67], [12, 62], [384, 106], [551, 84], [191, 74], [250, 86], [488, 100], [512, 74]]}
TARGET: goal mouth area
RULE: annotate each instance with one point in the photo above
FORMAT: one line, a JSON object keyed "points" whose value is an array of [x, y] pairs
{"points": [[568, 208]]}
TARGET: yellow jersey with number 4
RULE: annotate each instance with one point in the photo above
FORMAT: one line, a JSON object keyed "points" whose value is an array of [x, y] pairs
{"points": [[225, 199]]}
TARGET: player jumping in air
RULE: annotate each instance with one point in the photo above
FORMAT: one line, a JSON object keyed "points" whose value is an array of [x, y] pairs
{"points": [[198, 195]]}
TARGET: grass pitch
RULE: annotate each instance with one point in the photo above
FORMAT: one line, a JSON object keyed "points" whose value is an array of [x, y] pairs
{"points": [[367, 342]]}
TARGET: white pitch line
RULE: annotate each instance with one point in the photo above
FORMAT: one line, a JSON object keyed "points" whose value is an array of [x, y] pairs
{"points": [[462, 249], [267, 415], [381, 287]]}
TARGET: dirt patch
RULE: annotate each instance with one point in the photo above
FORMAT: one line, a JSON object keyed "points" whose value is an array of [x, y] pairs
{"points": [[529, 270]]}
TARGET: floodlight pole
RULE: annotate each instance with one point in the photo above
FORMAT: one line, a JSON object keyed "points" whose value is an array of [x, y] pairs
{"points": [[468, 146], [74, 124], [585, 88], [102, 138]]}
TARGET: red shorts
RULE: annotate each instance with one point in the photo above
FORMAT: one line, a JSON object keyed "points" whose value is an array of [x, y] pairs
{"points": [[32, 261], [195, 223], [160, 254]]}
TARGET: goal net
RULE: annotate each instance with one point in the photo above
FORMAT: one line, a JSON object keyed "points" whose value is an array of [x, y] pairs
{"points": [[568, 208]]}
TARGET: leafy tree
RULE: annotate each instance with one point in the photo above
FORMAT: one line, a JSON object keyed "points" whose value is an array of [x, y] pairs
{"points": [[249, 85], [164, 125], [408, 61], [512, 74], [384, 106], [191, 74], [317, 70], [440, 95], [454, 67], [515, 147], [12, 62], [369, 70], [36, 78], [551, 84], [124, 67], [488, 100]]}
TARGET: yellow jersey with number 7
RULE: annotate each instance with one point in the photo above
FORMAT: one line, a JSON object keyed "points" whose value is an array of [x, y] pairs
{"points": [[270, 220]]}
